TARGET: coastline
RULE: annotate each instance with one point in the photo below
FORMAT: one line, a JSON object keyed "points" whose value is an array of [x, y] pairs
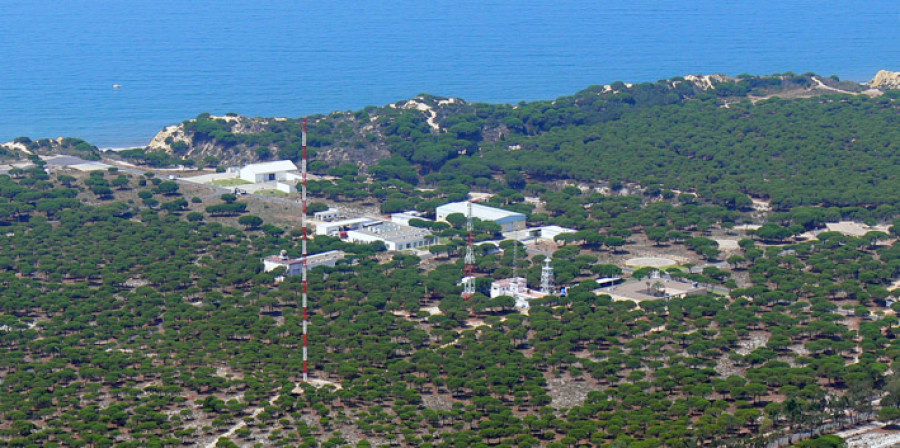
{"points": [[120, 148]]}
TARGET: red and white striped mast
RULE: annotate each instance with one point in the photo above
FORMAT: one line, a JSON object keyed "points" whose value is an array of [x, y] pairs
{"points": [[304, 283], [469, 272]]}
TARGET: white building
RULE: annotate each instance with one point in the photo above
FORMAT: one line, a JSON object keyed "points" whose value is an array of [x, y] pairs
{"points": [[606, 282], [328, 215], [404, 217], [550, 232], [335, 228], [538, 233], [280, 170], [517, 288], [509, 221], [394, 236], [294, 266]]}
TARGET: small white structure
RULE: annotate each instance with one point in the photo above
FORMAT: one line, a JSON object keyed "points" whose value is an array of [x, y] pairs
{"points": [[394, 236], [335, 228], [550, 232], [294, 266], [328, 215], [286, 187], [509, 221], [606, 282], [538, 233], [268, 171], [404, 217], [517, 288]]}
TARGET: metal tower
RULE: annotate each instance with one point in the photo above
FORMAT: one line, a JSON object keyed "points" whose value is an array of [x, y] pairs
{"points": [[468, 280], [515, 259], [303, 244], [547, 278]]}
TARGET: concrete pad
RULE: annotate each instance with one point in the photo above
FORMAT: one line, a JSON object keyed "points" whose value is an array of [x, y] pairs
{"points": [[63, 160], [91, 166], [208, 178]]}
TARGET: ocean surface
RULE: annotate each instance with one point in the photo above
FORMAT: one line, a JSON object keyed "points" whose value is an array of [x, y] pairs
{"points": [[59, 59]]}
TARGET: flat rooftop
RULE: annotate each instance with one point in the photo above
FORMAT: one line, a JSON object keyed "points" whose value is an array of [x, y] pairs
{"points": [[658, 288], [263, 167], [347, 222], [395, 232], [479, 211], [310, 259]]}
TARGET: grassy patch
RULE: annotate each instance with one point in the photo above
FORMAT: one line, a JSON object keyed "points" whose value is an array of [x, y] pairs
{"points": [[229, 182], [273, 193]]}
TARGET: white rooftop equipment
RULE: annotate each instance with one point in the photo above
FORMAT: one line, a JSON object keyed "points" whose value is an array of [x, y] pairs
{"points": [[394, 236]]}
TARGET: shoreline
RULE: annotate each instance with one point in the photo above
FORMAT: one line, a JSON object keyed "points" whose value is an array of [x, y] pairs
{"points": [[131, 142], [119, 148]]}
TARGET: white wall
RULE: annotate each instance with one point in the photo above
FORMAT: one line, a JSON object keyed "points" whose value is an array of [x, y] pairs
{"points": [[287, 188], [360, 237], [256, 178], [292, 269]]}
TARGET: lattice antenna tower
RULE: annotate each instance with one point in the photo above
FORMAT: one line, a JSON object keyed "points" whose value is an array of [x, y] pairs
{"points": [[547, 278], [303, 220], [515, 259], [469, 278]]}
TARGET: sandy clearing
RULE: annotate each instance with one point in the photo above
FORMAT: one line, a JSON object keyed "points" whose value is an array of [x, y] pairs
{"points": [[432, 115], [854, 228], [821, 85], [728, 245], [433, 310], [13, 146], [653, 262]]}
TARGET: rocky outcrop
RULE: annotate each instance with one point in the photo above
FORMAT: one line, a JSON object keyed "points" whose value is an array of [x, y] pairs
{"points": [[707, 82], [170, 134], [239, 124], [885, 79], [53, 146], [224, 140]]}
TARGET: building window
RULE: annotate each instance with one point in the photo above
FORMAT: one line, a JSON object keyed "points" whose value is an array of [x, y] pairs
{"points": [[270, 176]]}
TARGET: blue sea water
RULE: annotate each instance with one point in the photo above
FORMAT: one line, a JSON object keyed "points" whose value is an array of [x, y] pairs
{"points": [[175, 59]]}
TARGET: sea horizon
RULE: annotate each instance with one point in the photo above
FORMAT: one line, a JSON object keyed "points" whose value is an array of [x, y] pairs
{"points": [[172, 61]]}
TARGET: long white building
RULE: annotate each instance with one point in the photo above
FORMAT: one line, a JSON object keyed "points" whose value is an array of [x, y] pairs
{"points": [[509, 221], [336, 228]]}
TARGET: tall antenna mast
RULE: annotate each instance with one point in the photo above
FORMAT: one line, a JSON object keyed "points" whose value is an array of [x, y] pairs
{"points": [[469, 279], [515, 258], [304, 283]]}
